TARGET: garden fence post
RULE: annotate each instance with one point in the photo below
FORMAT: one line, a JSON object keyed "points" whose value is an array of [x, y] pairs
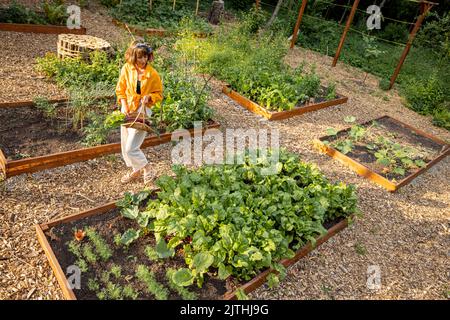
{"points": [[344, 34], [425, 8], [297, 24], [196, 8]]}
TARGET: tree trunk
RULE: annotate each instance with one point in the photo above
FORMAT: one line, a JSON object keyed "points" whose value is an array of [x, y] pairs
{"points": [[275, 13], [216, 11]]}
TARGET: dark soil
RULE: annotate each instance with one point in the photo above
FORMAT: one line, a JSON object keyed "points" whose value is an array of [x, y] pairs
{"points": [[107, 225], [321, 97], [26, 132], [399, 134]]}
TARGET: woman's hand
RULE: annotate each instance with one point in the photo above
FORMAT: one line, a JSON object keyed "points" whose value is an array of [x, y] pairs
{"points": [[146, 100], [124, 108]]}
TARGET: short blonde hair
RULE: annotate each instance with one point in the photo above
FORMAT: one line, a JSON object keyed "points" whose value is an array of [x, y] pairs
{"points": [[134, 52]]}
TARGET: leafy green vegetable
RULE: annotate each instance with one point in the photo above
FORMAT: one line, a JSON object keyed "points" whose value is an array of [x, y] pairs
{"points": [[183, 277], [129, 236], [234, 220], [162, 250]]}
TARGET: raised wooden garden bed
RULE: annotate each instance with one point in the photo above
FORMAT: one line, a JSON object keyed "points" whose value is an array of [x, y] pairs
{"points": [[38, 28], [13, 166], [274, 115], [54, 235], [364, 163], [29, 103]]}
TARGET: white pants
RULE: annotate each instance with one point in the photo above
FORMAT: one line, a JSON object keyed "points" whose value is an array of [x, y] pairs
{"points": [[131, 141]]}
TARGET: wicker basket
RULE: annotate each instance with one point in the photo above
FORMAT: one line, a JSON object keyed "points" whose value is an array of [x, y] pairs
{"points": [[73, 45]]}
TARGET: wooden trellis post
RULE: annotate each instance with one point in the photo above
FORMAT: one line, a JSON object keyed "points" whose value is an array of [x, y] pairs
{"points": [[257, 4], [297, 24], [344, 34], [425, 7], [196, 8]]}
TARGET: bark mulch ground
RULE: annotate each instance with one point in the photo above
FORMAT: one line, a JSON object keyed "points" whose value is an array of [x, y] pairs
{"points": [[405, 234]]}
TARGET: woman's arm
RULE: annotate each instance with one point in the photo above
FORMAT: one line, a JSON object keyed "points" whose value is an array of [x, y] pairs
{"points": [[154, 93], [121, 88]]}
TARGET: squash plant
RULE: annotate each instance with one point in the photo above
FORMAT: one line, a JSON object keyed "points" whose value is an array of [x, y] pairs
{"points": [[392, 156], [232, 220]]}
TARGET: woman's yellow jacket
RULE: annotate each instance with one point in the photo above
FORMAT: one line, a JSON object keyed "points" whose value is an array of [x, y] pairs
{"points": [[150, 86]]}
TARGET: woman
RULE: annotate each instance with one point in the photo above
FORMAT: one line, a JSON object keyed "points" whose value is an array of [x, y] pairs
{"points": [[139, 88]]}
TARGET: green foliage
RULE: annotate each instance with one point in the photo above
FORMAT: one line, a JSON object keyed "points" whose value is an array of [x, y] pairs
{"points": [[360, 249], [384, 84], [129, 292], [113, 291], [273, 280], [240, 219], [89, 253], [137, 13], [117, 239], [435, 33], [430, 51], [184, 293], [70, 72], [99, 127], [441, 116], [395, 32], [395, 158], [88, 83], [185, 101], [254, 19], [253, 66], [240, 295], [100, 244], [93, 285], [183, 277], [148, 278], [151, 253], [47, 108], [110, 3], [331, 92], [116, 271], [74, 247], [52, 12], [129, 236], [162, 250], [55, 11], [424, 97]]}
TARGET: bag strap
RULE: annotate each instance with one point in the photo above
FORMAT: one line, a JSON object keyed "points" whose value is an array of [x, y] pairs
{"points": [[139, 113]]}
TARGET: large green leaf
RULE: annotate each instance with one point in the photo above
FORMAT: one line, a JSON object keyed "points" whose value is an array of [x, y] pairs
{"points": [[183, 277], [130, 213], [129, 236], [223, 272], [202, 261], [162, 250]]}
